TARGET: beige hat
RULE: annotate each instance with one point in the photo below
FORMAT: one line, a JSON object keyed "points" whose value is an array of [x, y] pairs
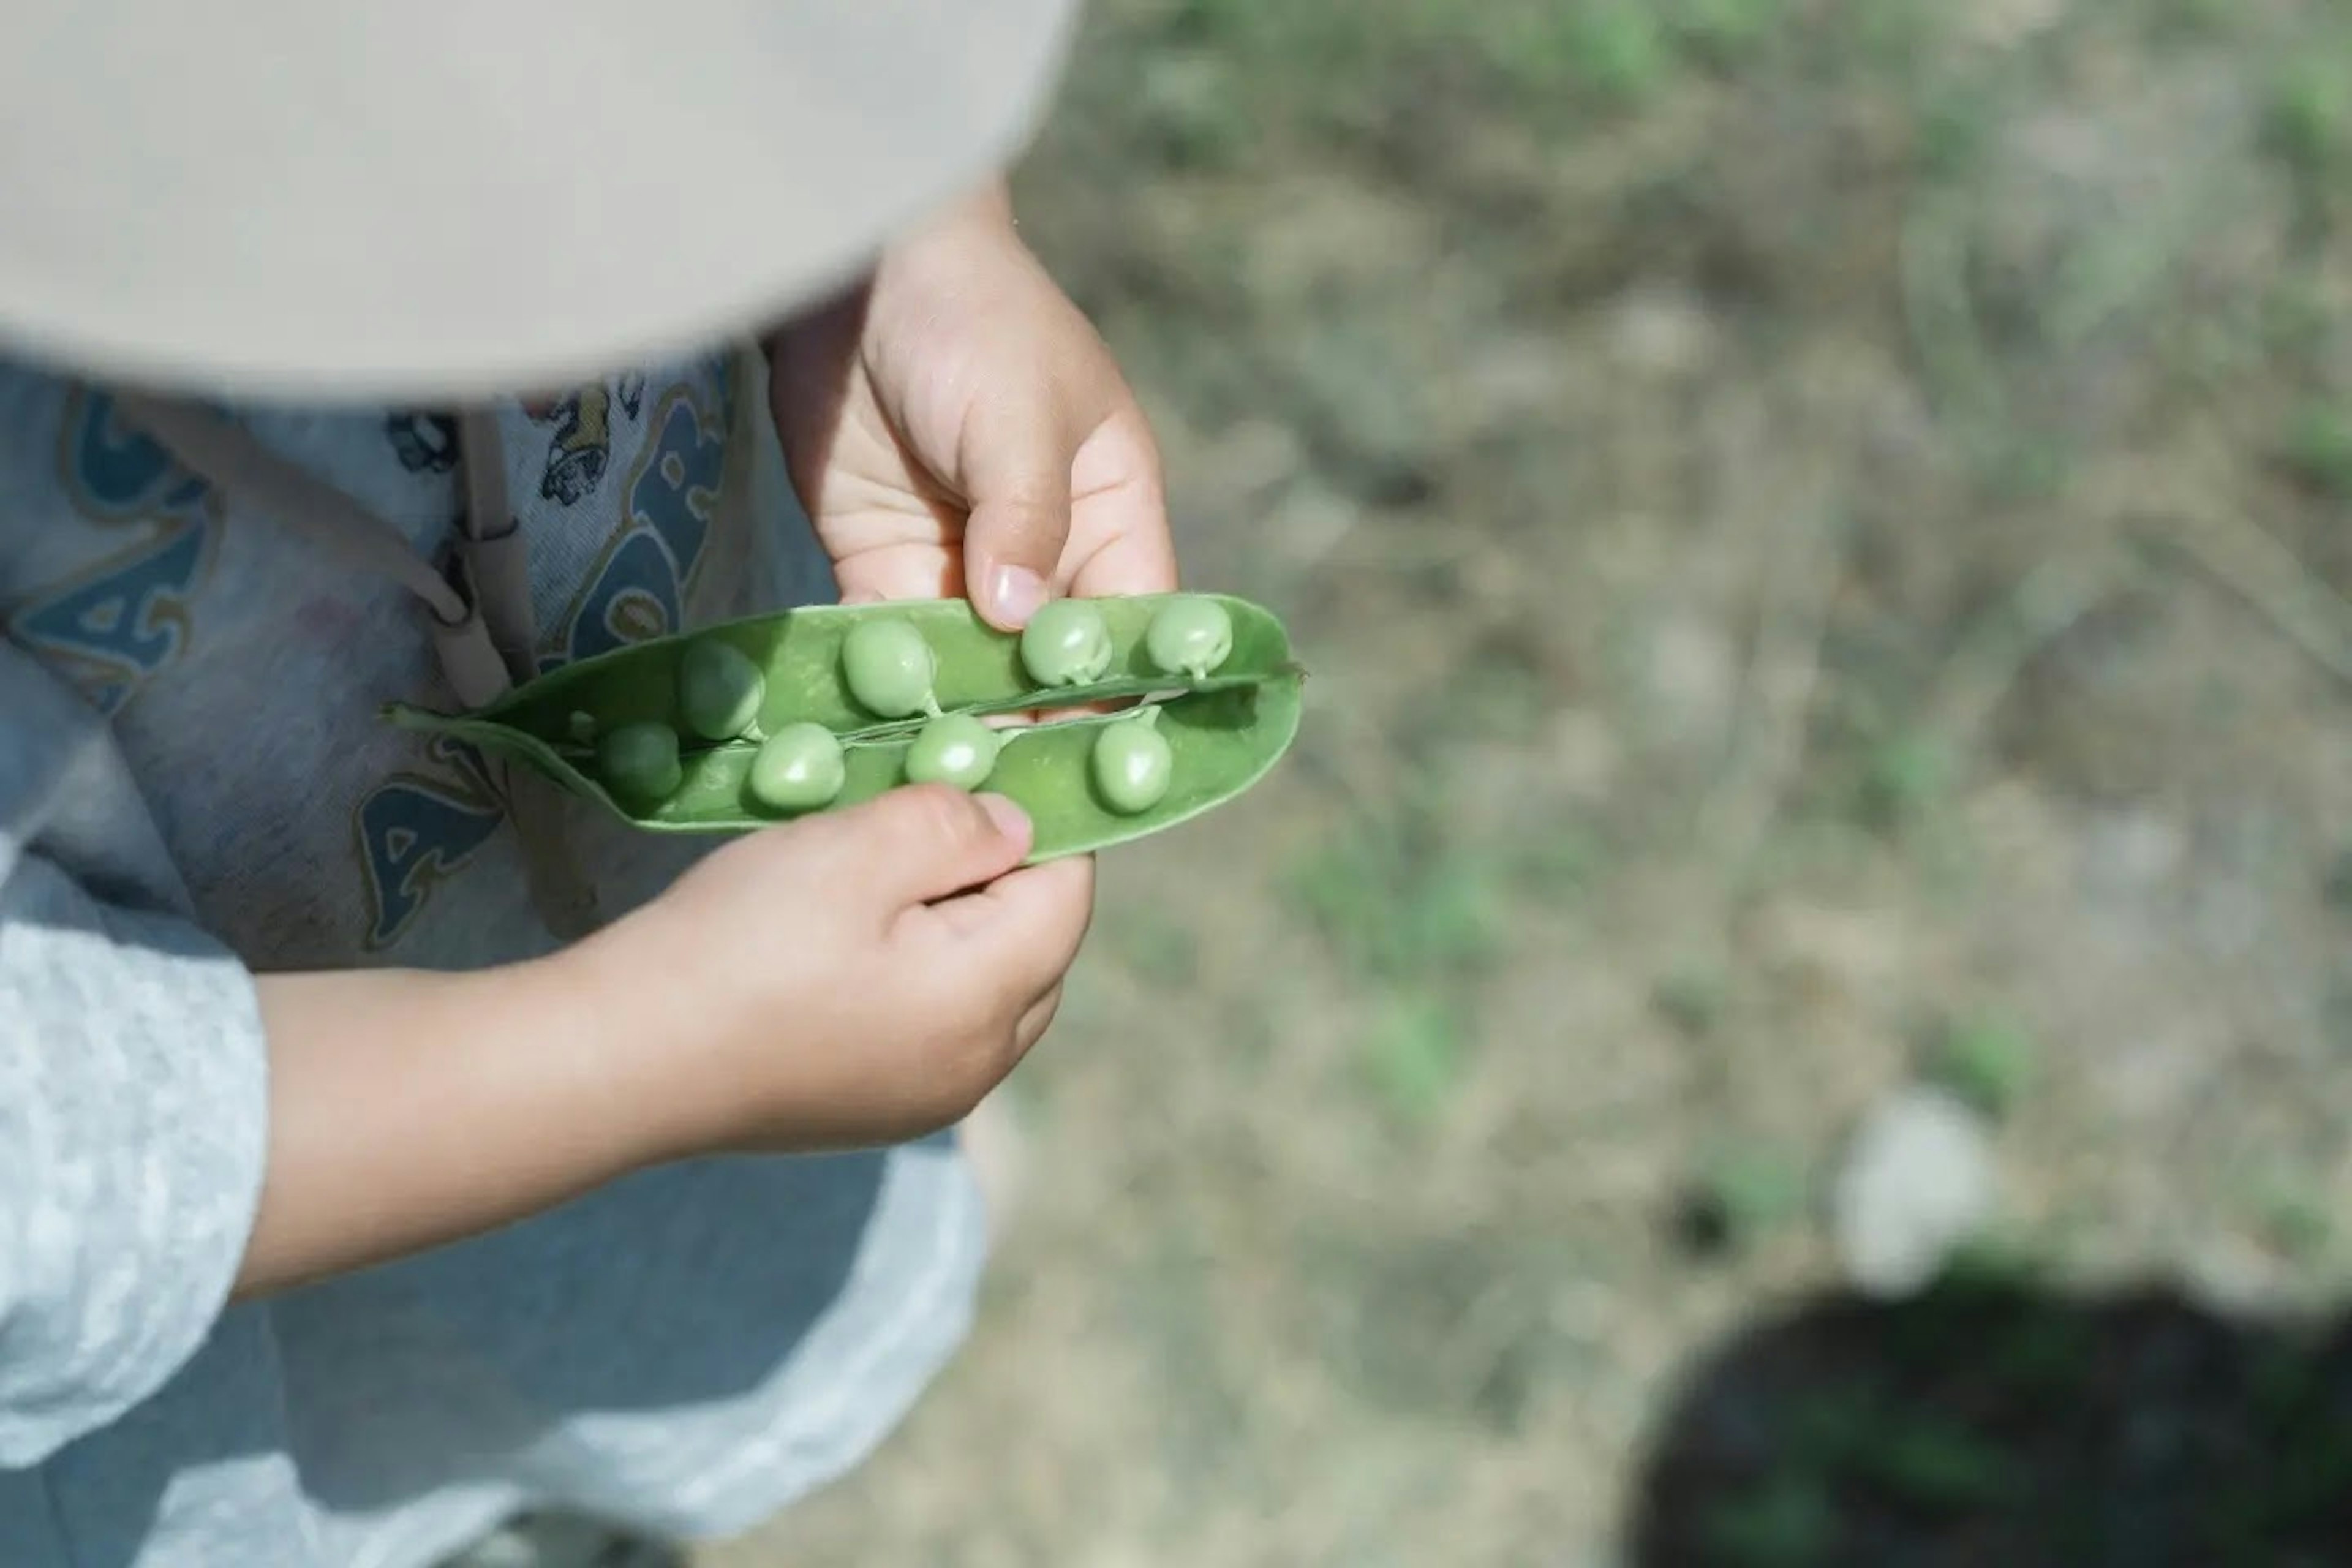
{"points": [[431, 200]]}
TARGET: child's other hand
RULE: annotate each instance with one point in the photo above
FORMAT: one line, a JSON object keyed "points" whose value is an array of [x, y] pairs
{"points": [[855, 978], [956, 427]]}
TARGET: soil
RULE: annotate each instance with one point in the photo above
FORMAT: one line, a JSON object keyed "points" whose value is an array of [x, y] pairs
{"points": [[1818, 533]]}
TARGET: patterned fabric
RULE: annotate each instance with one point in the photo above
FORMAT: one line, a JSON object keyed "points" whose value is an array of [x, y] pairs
{"points": [[195, 783]]}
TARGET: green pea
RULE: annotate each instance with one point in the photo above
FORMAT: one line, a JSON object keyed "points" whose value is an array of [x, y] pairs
{"points": [[1133, 764], [719, 689], [889, 667], [1189, 635], [1066, 643], [581, 728], [640, 760], [954, 748], [798, 768]]}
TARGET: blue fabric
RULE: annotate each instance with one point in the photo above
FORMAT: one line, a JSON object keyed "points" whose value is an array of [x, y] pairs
{"points": [[193, 785]]}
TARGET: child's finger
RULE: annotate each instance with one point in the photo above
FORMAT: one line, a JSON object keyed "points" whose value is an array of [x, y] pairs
{"points": [[919, 842], [1037, 1020], [1025, 929], [1015, 470], [909, 569], [1118, 514], [1020, 519]]}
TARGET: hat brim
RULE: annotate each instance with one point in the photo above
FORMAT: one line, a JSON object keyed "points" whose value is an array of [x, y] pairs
{"points": [[335, 199]]}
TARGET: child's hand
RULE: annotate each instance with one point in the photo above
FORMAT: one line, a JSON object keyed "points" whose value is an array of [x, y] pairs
{"points": [[956, 427], [837, 981], [825, 983]]}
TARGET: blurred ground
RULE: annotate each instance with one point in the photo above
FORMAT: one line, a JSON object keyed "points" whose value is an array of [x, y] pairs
{"points": [[1818, 529]]}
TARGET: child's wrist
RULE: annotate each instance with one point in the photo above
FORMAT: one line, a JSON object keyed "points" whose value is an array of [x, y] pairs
{"points": [[939, 253], [626, 999]]}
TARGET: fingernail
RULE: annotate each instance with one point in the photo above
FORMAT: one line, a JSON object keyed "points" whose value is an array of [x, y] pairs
{"points": [[1010, 820], [1016, 592]]}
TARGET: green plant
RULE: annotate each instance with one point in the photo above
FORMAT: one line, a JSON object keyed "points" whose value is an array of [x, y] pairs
{"points": [[1414, 1053], [2309, 112], [1990, 1062], [2319, 448], [1905, 775], [900, 688], [1743, 1193], [1933, 1463], [1785, 1521], [1723, 26], [1400, 899], [1620, 51], [2293, 1215]]}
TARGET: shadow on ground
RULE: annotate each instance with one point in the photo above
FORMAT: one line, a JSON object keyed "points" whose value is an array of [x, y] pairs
{"points": [[1996, 1421]]}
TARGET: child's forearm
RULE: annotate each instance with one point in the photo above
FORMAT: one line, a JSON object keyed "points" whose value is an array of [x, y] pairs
{"points": [[915, 956], [409, 1109]]}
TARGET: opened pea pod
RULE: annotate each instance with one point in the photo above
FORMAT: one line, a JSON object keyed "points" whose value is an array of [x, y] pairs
{"points": [[1150, 710]]}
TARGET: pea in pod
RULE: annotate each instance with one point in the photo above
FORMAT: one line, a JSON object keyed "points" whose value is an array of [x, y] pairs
{"points": [[1223, 720], [1133, 763]]}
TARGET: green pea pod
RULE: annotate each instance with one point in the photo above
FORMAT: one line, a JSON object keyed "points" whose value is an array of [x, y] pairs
{"points": [[1224, 730]]}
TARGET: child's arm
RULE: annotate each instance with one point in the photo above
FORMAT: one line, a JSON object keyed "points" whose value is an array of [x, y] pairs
{"points": [[408, 1109], [131, 1086], [173, 1130]]}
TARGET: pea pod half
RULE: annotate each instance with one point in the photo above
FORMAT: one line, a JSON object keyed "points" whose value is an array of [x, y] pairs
{"points": [[1224, 728]]}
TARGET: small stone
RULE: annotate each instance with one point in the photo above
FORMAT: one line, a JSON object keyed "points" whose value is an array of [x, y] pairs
{"points": [[2129, 856], [1917, 1180], [1661, 332], [1585, 755], [1692, 679], [2230, 1276]]}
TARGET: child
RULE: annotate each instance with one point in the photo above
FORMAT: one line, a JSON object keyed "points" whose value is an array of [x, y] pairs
{"points": [[386, 1145]]}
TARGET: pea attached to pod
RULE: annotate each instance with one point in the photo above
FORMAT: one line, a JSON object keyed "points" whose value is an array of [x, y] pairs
{"points": [[1190, 634], [798, 768], [719, 689], [954, 748], [911, 692], [640, 760], [889, 669], [1066, 643], [1133, 764]]}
